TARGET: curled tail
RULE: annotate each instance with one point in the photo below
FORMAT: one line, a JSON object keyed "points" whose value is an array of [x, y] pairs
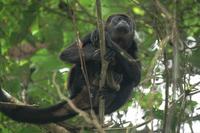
{"points": [[31, 114]]}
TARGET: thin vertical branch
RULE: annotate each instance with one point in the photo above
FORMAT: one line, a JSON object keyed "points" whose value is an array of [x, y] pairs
{"points": [[174, 38], [104, 64], [175, 73], [82, 59], [166, 93]]}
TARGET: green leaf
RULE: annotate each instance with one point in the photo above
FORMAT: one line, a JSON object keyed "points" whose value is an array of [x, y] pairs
{"points": [[52, 32], [46, 60], [25, 23], [4, 130], [194, 59], [29, 129], [190, 105], [150, 100], [138, 11], [45, 64], [158, 114]]}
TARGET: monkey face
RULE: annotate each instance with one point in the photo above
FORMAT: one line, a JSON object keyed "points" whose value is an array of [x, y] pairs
{"points": [[120, 24], [120, 28]]}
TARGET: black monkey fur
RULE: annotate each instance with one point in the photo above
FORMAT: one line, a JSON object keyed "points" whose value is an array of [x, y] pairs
{"points": [[119, 31]]}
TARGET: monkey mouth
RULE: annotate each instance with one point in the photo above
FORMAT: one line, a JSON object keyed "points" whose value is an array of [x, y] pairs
{"points": [[122, 27]]}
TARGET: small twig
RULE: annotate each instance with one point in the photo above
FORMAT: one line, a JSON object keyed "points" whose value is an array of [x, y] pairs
{"points": [[128, 128], [163, 9], [195, 118], [144, 123], [190, 125], [177, 100], [194, 92], [54, 11], [14, 104], [196, 84], [163, 43], [11, 98], [54, 128], [82, 59], [84, 9]]}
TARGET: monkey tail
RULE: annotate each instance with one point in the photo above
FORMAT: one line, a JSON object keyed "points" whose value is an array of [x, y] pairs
{"points": [[32, 114]]}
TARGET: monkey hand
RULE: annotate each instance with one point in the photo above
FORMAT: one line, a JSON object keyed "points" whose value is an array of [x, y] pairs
{"points": [[97, 55], [110, 55], [109, 42]]}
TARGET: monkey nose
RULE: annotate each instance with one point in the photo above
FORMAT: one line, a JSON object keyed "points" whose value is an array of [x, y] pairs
{"points": [[123, 22]]}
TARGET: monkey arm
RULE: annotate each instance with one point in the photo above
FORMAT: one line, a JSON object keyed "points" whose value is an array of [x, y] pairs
{"points": [[88, 51], [132, 66], [72, 54], [132, 70]]}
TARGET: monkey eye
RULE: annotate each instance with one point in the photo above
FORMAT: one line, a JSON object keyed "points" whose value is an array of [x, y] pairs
{"points": [[119, 18], [114, 21], [122, 18]]}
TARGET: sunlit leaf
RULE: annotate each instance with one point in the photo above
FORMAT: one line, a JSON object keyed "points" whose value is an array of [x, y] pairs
{"points": [[138, 11]]}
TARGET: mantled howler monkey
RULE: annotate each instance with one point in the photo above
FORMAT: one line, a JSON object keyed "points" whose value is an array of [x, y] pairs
{"points": [[122, 75]]}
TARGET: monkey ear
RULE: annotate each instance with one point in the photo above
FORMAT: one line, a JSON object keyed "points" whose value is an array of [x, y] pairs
{"points": [[109, 19], [119, 14], [94, 36]]}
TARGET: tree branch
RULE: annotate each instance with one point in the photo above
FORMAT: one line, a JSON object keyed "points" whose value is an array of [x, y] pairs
{"points": [[82, 113], [104, 64]]}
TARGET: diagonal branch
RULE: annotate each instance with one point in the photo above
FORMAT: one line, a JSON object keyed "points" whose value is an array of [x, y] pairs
{"points": [[82, 113]]}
